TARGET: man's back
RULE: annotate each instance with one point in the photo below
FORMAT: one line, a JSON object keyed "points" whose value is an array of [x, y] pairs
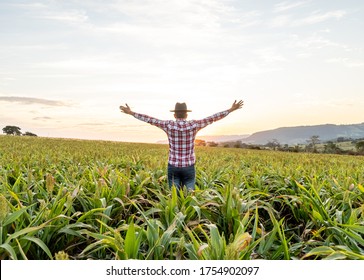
{"points": [[181, 138]]}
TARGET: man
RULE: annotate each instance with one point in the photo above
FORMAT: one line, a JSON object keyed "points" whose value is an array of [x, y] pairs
{"points": [[181, 136]]}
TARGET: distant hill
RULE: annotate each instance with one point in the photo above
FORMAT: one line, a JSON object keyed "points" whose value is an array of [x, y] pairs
{"points": [[300, 134], [223, 138]]}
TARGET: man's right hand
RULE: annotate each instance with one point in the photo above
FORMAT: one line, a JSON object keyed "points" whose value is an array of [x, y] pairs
{"points": [[236, 105]]}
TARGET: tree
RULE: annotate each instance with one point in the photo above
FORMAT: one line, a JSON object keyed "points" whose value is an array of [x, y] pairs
{"points": [[330, 147], [212, 144], [199, 142], [360, 146], [29, 134], [238, 144], [12, 130], [313, 141], [274, 144]]}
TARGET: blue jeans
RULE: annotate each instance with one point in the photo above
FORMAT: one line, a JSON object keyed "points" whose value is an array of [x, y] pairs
{"points": [[182, 176]]}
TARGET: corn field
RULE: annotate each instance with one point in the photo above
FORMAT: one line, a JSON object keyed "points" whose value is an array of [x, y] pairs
{"points": [[74, 199]]}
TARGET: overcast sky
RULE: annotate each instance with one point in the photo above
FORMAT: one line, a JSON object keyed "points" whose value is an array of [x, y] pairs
{"points": [[66, 66]]}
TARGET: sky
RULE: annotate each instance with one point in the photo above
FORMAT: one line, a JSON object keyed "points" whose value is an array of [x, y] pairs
{"points": [[67, 66]]}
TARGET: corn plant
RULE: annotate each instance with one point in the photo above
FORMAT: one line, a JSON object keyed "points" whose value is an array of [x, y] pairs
{"points": [[77, 199]]}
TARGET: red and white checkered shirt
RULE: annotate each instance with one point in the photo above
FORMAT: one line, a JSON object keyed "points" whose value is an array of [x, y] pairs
{"points": [[181, 136]]}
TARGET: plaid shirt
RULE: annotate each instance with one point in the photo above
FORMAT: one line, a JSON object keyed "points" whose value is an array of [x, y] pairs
{"points": [[181, 136]]}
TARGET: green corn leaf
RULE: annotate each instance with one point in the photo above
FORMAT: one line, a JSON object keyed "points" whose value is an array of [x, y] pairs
{"points": [[9, 250], [132, 242], [15, 216], [40, 243], [320, 251]]}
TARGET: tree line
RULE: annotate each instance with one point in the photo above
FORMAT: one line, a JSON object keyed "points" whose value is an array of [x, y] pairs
{"points": [[313, 145], [16, 131]]}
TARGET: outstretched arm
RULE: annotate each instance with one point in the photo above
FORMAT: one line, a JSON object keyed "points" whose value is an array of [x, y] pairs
{"points": [[153, 121], [218, 116], [236, 106]]}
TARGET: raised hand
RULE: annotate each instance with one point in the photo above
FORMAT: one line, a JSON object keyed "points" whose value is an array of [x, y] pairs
{"points": [[126, 109], [236, 105]]}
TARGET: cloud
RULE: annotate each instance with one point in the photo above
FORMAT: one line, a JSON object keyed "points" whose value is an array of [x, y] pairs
{"points": [[67, 16], [31, 100], [94, 124], [320, 17], [183, 24], [347, 62], [29, 6], [285, 6], [108, 123], [53, 12], [313, 42], [269, 55], [42, 118], [188, 12], [287, 20]]}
